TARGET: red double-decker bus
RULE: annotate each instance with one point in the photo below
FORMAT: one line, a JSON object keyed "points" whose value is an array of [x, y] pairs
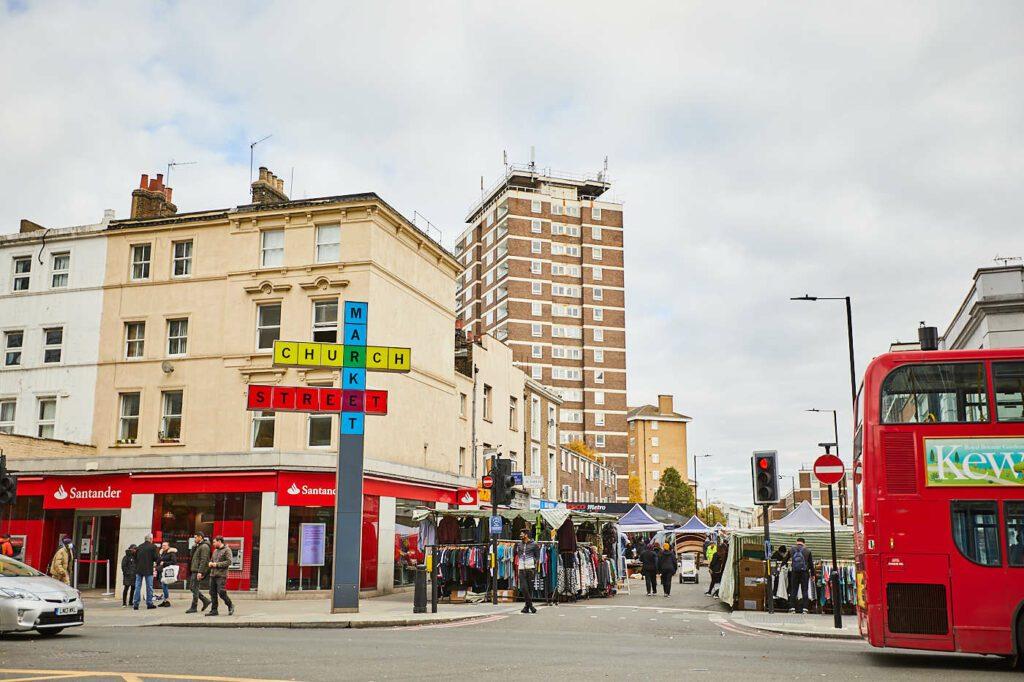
{"points": [[939, 502]]}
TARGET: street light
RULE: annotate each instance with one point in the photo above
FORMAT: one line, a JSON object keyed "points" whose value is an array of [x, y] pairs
{"points": [[849, 335], [842, 483], [696, 493]]}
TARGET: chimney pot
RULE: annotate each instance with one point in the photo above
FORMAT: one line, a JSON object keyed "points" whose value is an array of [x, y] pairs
{"points": [[665, 404], [145, 181]]}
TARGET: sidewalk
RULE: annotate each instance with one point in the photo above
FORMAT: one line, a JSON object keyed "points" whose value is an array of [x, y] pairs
{"points": [[802, 624], [376, 612]]}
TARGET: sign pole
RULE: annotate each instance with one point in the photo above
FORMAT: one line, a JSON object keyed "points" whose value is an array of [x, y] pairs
{"points": [[837, 602], [769, 593], [494, 537]]}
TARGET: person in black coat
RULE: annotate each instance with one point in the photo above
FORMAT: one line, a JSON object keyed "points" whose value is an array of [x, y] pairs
{"points": [[649, 567], [128, 576], [145, 566], [667, 568]]}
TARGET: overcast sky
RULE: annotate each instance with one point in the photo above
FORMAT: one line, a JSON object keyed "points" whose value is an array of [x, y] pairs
{"points": [[761, 151]]}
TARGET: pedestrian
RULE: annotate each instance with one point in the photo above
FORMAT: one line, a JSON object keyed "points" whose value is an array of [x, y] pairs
{"points": [[779, 557], [167, 569], [197, 568], [801, 565], [145, 566], [649, 567], [128, 576], [6, 546], [62, 565], [717, 567], [529, 557], [667, 566], [220, 560]]}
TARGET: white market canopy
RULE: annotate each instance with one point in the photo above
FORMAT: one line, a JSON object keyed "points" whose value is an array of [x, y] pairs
{"points": [[804, 517], [693, 525], [637, 520]]}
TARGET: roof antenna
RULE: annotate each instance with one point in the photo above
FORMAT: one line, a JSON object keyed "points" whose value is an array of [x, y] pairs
{"points": [[533, 158], [504, 158], [252, 147], [171, 164], [1006, 260], [291, 183]]}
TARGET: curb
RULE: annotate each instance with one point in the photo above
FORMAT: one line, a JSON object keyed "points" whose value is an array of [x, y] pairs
{"points": [[806, 633], [318, 625]]}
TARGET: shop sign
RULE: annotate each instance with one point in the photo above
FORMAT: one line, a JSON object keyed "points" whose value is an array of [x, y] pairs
{"points": [[961, 462], [467, 496], [305, 490], [483, 494], [86, 492]]}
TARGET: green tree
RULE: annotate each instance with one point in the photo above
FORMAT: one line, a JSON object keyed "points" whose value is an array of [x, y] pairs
{"points": [[712, 514], [674, 494]]}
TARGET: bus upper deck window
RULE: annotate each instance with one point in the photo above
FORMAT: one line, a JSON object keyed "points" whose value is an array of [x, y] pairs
{"points": [[935, 393], [1008, 379]]}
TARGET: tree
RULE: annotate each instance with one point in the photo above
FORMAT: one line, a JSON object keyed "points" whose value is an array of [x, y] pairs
{"points": [[581, 448], [712, 514], [636, 494], [674, 495]]}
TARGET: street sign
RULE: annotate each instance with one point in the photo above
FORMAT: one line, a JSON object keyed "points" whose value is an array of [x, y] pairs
{"points": [[828, 469], [517, 477], [487, 482], [496, 524], [533, 482]]}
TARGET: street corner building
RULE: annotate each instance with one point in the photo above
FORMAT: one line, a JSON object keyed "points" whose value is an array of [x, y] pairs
{"points": [[128, 350]]}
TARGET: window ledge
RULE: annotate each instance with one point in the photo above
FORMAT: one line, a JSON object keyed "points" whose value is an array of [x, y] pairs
{"points": [[169, 444], [126, 445]]}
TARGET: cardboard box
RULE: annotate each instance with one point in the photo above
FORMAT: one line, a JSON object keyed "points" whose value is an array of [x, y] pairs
{"points": [[753, 567]]}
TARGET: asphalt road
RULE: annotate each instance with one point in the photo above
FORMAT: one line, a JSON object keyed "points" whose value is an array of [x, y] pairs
{"points": [[627, 637]]}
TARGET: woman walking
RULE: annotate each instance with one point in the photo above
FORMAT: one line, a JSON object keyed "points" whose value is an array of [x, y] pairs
{"points": [[128, 577], [667, 568], [649, 567]]}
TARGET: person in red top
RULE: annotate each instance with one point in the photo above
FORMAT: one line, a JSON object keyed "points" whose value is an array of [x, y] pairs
{"points": [[6, 546]]}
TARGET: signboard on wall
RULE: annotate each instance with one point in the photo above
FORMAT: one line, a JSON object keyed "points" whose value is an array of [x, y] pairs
{"points": [[962, 462], [86, 492], [312, 544]]}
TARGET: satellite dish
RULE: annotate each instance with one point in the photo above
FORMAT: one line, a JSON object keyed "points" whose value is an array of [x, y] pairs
{"points": [[166, 366]]}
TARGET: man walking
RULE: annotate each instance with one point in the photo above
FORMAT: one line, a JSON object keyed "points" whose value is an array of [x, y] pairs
{"points": [[220, 560], [62, 565], [529, 557], [667, 566], [197, 568], [801, 565], [145, 565], [649, 567]]}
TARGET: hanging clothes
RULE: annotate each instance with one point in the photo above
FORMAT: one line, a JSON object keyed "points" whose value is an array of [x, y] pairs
{"points": [[448, 531], [567, 537], [428, 532]]}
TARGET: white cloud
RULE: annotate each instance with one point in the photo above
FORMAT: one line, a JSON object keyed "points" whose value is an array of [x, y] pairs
{"points": [[762, 152]]}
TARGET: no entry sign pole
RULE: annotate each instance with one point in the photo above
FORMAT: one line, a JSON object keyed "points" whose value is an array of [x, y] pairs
{"points": [[829, 469]]}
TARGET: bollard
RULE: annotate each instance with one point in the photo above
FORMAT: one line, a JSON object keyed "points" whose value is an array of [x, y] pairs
{"points": [[419, 599]]}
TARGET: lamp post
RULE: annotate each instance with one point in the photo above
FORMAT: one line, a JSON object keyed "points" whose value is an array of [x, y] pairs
{"points": [[696, 487], [849, 337], [842, 484]]}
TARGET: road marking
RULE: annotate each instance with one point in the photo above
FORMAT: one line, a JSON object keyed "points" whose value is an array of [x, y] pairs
{"points": [[660, 609], [125, 676], [725, 624]]}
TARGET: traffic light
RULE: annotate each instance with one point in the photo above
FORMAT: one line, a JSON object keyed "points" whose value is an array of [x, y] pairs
{"points": [[766, 477], [8, 484], [501, 473]]}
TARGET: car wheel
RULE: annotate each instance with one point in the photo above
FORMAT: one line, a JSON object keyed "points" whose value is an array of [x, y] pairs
{"points": [[50, 632]]}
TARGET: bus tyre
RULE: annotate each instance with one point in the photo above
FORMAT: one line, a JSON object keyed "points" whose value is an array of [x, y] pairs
{"points": [[1017, 660]]}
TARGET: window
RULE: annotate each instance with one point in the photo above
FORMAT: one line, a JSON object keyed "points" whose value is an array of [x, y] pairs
{"points": [[47, 412], [572, 210], [513, 414], [181, 258], [325, 321], [135, 339], [598, 314], [487, 402], [655, 441], [7, 411], [598, 335], [535, 206], [595, 213], [22, 273], [598, 356], [975, 531], [599, 397], [268, 325], [654, 426], [271, 248], [655, 457], [60, 267], [599, 440], [654, 474], [934, 393], [599, 376], [536, 330], [128, 426], [13, 342], [1013, 514], [328, 243], [53, 340], [556, 209], [599, 419], [598, 273], [318, 430], [1008, 380], [177, 336], [535, 226], [462, 404], [170, 420], [551, 424], [536, 351], [535, 309], [462, 460], [140, 261], [536, 267], [597, 252], [535, 246], [262, 430], [537, 372], [536, 288], [598, 294]]}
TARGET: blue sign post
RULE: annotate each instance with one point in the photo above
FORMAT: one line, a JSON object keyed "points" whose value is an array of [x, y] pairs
{"points": [[496, 525]]}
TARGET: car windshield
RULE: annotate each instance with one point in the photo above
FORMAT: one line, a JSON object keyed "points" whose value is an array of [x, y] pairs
{"points": [[9, 568]]}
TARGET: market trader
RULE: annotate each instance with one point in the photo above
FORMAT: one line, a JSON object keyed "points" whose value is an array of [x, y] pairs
{"points": [[529, 557]]}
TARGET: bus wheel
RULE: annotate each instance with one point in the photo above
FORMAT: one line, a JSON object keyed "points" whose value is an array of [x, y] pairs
{"points": [[1017, 660]]}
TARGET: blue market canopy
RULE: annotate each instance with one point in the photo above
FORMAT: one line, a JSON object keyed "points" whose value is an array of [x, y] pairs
{"points": [[637, 520]]}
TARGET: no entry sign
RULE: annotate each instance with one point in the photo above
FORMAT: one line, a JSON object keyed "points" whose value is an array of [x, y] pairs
{"points": [[828, 469]]}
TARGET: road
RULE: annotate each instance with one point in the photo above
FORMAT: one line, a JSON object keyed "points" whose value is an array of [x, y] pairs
{"points": [[625, 638]]}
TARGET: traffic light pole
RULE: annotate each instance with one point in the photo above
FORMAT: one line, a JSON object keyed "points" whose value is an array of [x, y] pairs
{"points": [[769, 593]]}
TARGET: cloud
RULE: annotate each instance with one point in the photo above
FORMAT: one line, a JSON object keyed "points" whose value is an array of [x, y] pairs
{"points": [[761, 152]]}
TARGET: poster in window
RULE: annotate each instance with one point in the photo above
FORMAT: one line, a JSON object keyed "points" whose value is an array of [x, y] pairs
{"points": [[237, 546], [312, 544]]}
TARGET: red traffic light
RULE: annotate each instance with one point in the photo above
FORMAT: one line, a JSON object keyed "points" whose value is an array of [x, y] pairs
{"points": [[762, 463]]}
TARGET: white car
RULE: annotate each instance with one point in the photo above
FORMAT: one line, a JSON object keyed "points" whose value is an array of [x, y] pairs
{"points": [[30, 600]]}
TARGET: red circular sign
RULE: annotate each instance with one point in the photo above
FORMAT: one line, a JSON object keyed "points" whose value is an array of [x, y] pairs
{"points": [[858, 475], [487, 481], [828, 469]]}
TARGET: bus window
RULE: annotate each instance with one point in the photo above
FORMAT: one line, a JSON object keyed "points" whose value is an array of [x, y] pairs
{"points": [[976, 532], [931, 393], [858, 488], [1008, 379], [1014, 515]]}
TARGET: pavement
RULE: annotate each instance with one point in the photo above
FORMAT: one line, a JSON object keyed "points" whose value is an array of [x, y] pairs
{"points": [[377, 612], [799, 624]]}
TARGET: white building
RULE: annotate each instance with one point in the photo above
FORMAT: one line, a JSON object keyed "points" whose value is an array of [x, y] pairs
{"points": [[735, 515], [992, 314], [51, 300]]}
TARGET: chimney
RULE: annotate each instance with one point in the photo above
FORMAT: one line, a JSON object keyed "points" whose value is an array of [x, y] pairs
{"points": [[152, 199], [268, 188], [664, 404], [29, 226]]}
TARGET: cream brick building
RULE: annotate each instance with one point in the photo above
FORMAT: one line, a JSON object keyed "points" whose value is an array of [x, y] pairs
{"points": [[657, 441]]}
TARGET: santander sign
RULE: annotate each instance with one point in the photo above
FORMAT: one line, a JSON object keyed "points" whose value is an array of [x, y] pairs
{"points": [[108, 493], [100, 494]]}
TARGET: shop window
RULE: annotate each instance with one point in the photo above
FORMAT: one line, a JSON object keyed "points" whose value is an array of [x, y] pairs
{"points": [[1008, 380], [268, 325], [128, 428], [408, 551], [135, 339], [13, 341], [325, 321], [181, 258], [170, 421], [60, 268], [975, 531], [1013, 514], [263, 429], [22, 273], [47, 413]]}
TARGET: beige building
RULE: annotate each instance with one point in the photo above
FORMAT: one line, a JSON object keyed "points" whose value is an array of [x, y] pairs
{"points": [[657, 441], [542, 270]]}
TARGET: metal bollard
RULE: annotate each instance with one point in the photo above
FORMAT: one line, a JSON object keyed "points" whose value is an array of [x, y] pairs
{"points": [[419, 599]]}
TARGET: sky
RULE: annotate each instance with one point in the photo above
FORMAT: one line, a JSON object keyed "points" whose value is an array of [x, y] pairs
{"points": [[760, 150]]}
